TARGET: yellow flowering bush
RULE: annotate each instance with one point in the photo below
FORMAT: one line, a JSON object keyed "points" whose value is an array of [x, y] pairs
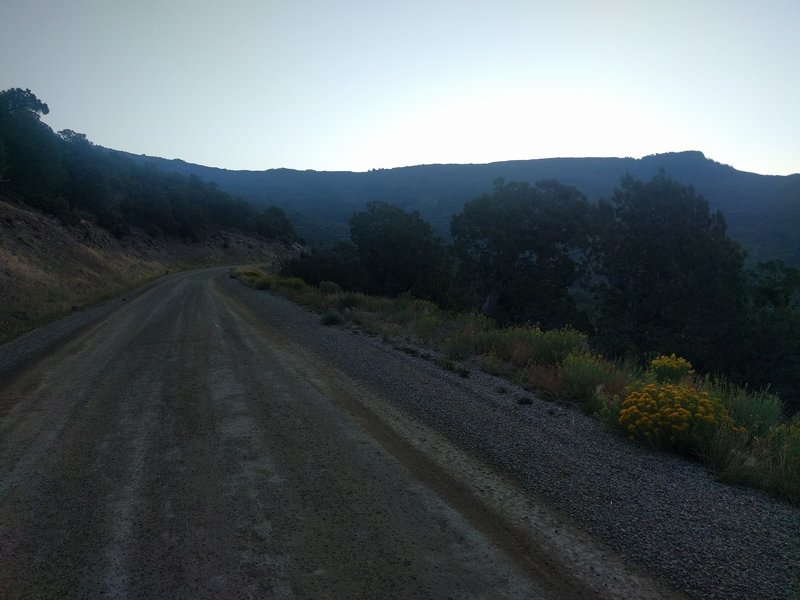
{"points": [[671, 416], [670, 368]]}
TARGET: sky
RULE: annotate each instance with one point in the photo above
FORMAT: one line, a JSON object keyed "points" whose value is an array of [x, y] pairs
{"points": [[356, 85]]}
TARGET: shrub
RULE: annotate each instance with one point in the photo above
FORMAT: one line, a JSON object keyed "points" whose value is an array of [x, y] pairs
{"points": [[458, 347], [582, 374], [670, 369], [349, 300], [262, 283], [605, 404], [494, 366], [554, 345], [757, 411], [328, 288], [524, 345], [671, 416], [729, 453], [333, 317], [425, 327], [542, 378], [293, 283], [782, 445]]}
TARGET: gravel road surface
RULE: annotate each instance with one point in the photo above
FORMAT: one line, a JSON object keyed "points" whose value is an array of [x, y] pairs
{"points": [[206, 440]]}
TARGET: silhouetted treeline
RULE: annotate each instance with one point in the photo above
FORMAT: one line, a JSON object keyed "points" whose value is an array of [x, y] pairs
{"points": [[66, 175], [649, 270]]}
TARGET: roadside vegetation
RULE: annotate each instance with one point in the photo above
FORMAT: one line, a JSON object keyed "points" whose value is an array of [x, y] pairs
{"points": [[741, 434]]}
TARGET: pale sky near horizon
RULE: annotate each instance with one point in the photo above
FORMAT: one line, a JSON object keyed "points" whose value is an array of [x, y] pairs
{"points": [[356, 84]]}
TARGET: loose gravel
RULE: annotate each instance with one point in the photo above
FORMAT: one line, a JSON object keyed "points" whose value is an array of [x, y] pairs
{"points": [[668, 514]]}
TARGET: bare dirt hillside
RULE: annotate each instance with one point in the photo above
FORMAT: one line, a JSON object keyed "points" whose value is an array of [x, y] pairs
{"points": [[48, 269]]}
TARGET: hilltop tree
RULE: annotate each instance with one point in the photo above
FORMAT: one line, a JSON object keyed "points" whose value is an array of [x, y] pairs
{"points": [[517, 250], [17, 100], [32, 164]]}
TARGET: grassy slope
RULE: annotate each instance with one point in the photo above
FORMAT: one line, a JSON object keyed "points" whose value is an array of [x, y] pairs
{"points": [[48, 269]]}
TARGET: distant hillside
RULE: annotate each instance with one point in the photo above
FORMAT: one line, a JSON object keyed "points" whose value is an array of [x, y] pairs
{"points": [[762, 211], [65, 175]]}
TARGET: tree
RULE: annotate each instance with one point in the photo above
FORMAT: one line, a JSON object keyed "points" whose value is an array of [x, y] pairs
{"points": [[3, 163], [17, 100], [399, 252], [339, 263], [771, 348], [670, 278], [32, 163], [273, 223], [73, 137], [518, 251]]}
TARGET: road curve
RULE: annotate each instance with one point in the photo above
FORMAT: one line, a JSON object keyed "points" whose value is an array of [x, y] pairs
{"points": [[179, 449]]}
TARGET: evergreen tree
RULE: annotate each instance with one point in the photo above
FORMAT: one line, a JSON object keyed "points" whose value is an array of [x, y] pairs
{"points": [[519, 251], [670, 278]]}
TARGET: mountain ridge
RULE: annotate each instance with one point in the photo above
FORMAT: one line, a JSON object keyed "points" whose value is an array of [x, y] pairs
{"points": [[762, 211]]}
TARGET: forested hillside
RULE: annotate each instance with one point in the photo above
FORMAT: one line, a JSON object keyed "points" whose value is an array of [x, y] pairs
{"points": [[763, 212], [65, 175]]}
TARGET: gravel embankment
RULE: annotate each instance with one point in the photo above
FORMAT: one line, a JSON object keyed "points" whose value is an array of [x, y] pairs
{"points": [[706, 538]]}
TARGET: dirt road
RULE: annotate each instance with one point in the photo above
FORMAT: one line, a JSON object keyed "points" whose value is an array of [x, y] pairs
{"points": [[184, 446]]}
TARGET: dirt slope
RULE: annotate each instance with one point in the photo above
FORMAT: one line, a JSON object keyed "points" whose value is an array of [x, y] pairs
{"points": [[48, 269]]}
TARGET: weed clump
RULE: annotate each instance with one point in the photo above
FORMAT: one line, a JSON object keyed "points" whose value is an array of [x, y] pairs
{"points": [[782, 449], [449, 365], [581, 375], [522, 346], [757, 411]]}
